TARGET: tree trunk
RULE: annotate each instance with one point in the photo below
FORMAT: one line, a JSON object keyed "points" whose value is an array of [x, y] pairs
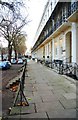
{"points": [[9, 51], [1, 55], [15, 54]]}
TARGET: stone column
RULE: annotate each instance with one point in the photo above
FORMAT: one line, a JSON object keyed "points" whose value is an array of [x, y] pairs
{"points": [[64, 47], [53, 49], [75, 42]]}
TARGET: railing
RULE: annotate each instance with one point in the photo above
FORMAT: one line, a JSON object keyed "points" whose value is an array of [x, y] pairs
{"points": [[70, 69], [56, 25], [67, 60], [71, 9], [57, 63], [19, 94], [64, 67]]}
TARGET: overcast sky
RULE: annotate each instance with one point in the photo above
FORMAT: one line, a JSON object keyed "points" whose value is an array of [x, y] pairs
{"points": [[35, 10]]}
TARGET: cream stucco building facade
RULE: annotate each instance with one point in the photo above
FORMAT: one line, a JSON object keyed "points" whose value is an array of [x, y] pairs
{"points": [[57, 34]]}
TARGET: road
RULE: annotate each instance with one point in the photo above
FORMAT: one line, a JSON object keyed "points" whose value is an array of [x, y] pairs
{"points": [[7, 95]]}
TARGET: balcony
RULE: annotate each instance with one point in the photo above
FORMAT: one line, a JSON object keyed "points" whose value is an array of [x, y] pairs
{"points": [[73, 7], [62, 21], [73, 12], [60, 24]]}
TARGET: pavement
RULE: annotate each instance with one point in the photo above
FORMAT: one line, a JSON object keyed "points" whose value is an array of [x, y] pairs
{"points": [[50, 95]]}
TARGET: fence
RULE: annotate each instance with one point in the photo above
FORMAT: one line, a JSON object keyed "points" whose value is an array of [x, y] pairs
{"points": [[63, 67], [20, 98]]}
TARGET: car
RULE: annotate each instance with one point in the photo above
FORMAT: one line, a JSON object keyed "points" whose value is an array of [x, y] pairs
{"points": [[5, 65], [20, 61], [13, 61]]}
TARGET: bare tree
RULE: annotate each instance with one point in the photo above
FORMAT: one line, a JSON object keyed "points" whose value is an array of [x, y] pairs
{"points": [[21, 46], [12, 22]]}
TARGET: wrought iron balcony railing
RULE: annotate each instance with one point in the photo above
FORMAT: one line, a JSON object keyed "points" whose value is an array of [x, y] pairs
{"points": [[73, 7]]}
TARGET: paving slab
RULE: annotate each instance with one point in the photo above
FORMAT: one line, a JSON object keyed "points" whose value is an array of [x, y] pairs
{"points": [[28, 93], [48, 106], [14, 117], [41, 85], [70, 95], [48, 93], [69, 113], [48, 98], [0, 118], [35, 115], [69, 88], [41, 93], [30, 89], [58, 91], [58, 95], [22, 110], [77, 114], [67, 103], [43, 88], [32, 116], [34, 99], [28, 85], [30, 81]]}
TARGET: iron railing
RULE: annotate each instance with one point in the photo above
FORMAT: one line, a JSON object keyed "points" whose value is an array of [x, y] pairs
{"points": [[66, 68], [20, 94], [72, 7]]}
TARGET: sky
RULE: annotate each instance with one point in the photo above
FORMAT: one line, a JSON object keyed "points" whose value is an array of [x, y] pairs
{"points": [[35, 10]]}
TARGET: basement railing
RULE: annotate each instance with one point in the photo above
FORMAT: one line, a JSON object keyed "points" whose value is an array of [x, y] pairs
{"points": [[65, 67]]}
